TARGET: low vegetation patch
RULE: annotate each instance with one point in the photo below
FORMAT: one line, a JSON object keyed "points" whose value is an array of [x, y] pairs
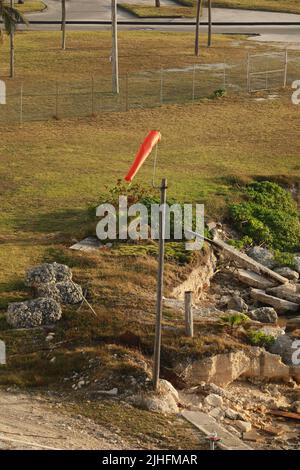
{"points": [[259, 338], [235, 319], [269, 216], [287, 6], [148, 11], [30, 6]]}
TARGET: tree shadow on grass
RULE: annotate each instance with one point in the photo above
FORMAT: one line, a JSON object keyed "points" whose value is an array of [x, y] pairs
{"points": [[71, 222]]}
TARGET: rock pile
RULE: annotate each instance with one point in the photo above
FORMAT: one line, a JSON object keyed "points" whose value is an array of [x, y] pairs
{"points": [[33, 313], [245, 410], [52, 286]]}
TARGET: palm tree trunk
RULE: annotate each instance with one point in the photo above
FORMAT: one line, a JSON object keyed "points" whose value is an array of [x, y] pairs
{"points": [[12, 49], [157, 3], [209, 24], [199, 5], [63, 24]]}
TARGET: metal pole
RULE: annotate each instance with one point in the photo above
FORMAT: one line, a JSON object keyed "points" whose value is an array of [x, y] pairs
{"points": [[63, 24], [248, 72], [194, 73], [160, 276], [114, 54], [197, 27], [209, 24], [56, 101], [93, 103], [12, 48], [21, 105], [161, 85], [126, 96], [285, 69], [189, 326]]}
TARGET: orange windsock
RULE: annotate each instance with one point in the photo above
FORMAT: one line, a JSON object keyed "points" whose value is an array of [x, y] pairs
{"points": [[145, 149]]}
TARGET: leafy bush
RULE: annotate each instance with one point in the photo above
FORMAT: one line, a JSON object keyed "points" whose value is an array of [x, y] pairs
{"points": [[259, 338], [219, 93], [242, 243], [235, 319], [268, 216], [148, 196], [284, 259]]}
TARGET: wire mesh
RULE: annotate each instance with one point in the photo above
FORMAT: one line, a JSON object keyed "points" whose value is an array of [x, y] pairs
{"points": [[48, 99]]}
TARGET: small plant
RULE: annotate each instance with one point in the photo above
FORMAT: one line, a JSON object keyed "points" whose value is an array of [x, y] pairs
{"points": [[259, 338], [219, 93], [235, 319]]}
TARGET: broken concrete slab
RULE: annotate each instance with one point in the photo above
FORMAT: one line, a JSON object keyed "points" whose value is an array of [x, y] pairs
{"points": [[252, 279], [87, 244], [288, 273], [221, 369], [286, 291], [280, 305], [245, 261], [207, 424], [265, 365], [242, 259]]}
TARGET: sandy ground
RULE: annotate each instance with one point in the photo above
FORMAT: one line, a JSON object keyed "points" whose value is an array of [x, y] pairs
{"points": [[31, 423]]}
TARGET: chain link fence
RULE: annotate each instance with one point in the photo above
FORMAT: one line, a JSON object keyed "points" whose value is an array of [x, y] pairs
{"points": [[41, 101]]}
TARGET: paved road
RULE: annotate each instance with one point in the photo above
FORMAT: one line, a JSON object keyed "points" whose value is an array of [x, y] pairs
{"points": [[97, 10]]}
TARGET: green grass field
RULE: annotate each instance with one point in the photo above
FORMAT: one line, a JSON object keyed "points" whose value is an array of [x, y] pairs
{"points": [[52, 173], [39, 57], [46, 72], [142, 11], [286, 6], [188, 7], [31, 6]]}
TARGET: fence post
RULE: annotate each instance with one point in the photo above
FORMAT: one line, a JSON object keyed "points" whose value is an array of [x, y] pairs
{"points": [[127, 93], [56, 100], [188, 310], [248, 73], [21, 104], [93, 104], [194, 73], [285, 69], [224, 75], [161, 86]]}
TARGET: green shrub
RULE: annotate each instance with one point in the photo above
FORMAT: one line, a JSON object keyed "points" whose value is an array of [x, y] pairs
{"points": [[235, 319], [219, 93], [268, 216], [242, 243], [284, 259], [148, 196], [259, 338]]}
